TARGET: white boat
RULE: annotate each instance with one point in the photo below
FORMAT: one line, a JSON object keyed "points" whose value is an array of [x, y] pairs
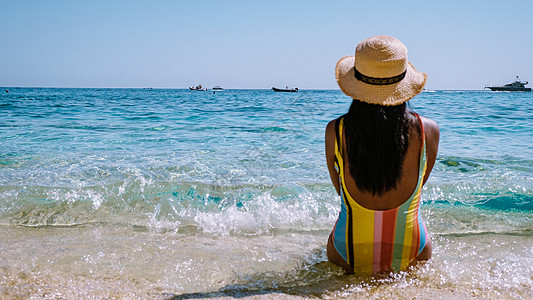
{"points": [[516, 86]]}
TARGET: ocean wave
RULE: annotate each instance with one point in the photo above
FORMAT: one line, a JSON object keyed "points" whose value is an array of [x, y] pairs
{"points": [[190, 207], [241, 209]]}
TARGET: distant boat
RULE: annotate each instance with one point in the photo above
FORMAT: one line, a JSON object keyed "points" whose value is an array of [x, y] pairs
{"points": [[197, 88], [284, 90], [516, 86], [217, 88]]}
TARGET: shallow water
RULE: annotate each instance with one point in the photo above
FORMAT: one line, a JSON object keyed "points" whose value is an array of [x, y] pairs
{"points": [[132, 193]]}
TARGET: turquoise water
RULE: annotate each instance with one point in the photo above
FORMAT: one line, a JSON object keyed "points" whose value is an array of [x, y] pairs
{"points": [[160, 193]]}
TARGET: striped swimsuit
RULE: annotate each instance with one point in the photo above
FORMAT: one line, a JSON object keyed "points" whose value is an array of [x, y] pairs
{"points": [[374, 241]]}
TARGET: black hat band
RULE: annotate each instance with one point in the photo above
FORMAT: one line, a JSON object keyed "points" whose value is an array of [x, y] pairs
{"points": [[379, 81]]}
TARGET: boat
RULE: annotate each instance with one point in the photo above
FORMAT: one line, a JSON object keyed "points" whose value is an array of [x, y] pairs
{"points": [[284, 90], [217, 88], [197, 88], [516, 86]]}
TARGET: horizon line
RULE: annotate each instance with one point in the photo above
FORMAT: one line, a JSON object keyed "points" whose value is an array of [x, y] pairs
{"points": [[210, 89]]}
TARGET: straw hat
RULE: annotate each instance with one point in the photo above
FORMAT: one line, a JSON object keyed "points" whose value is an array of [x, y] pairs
{"points": [[379, 73]]}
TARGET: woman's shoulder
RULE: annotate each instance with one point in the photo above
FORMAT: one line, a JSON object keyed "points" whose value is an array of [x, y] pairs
{"points": [[428, 122], [331, 133], [431, 128], [332, 123], [330, 128]]}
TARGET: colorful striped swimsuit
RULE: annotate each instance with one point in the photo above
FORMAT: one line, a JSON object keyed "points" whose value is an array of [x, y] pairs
{"points": [[374, 241]]}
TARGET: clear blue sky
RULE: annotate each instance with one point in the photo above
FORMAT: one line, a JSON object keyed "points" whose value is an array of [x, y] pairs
{"points": [[461, 44]]}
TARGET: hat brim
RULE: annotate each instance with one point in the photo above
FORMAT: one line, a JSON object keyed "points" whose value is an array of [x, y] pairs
{"points": [[394, 94]]}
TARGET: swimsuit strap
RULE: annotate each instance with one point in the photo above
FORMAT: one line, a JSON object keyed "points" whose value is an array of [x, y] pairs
{"points": [[339, 124], [422, 133]]}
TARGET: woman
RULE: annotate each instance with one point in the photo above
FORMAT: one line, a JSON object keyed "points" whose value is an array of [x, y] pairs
{"points": [[379, 156]]}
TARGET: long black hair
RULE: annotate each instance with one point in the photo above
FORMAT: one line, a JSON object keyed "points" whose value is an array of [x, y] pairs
{"points": [[376, 139]]}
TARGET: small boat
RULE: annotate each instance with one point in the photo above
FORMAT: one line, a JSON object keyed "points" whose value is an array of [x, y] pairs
{"points": [[516, 86], [197, 88], [284, 90], [217, 88]]}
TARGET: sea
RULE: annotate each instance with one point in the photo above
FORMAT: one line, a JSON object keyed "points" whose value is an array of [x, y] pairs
{"points": [[178, 194]]}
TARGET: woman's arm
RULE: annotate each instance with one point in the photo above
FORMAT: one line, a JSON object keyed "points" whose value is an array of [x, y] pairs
{"points": [[330, 155]]}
